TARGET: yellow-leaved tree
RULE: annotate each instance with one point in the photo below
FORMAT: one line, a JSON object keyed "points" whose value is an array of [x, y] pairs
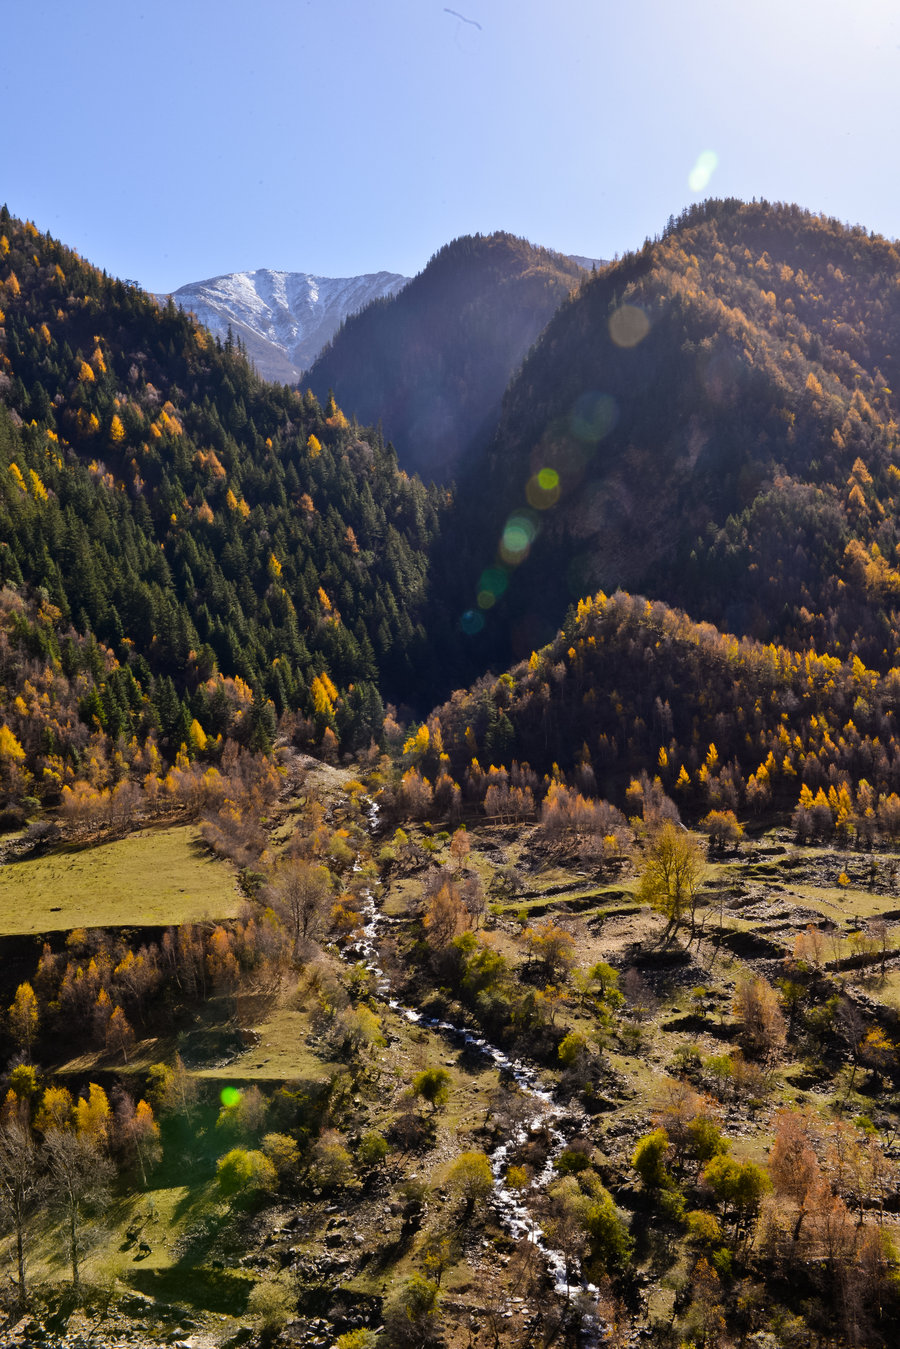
{"points": [[671, 876], [10, 749], [24, 1017]]}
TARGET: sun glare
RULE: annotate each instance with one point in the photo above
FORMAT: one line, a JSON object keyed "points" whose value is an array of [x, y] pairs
{"points": [[703, 170]]}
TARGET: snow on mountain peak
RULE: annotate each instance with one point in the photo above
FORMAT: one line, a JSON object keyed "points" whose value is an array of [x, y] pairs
{"points": [[284, 319]]}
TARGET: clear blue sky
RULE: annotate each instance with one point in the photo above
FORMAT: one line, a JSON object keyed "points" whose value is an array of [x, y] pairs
{"points": [[169, 142]]}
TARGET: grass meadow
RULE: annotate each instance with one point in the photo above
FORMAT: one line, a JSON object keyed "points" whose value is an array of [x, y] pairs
{"points": [[151, 878]]}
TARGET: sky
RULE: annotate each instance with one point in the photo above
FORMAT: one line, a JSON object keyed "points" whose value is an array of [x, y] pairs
{"points": [[170, 142]]}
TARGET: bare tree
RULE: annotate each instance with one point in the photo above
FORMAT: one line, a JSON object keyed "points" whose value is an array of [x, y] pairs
{"points": [[794, 1166], [445, 916], [473, 897], [460, 845], [174, 1090], [79, 1174], [882, 935], [756, 1007], [303, 891], [18, 1186]]}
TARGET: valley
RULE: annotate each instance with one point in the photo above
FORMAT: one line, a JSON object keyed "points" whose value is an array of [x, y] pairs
{"points": [[462, 914], [638, 1031]]}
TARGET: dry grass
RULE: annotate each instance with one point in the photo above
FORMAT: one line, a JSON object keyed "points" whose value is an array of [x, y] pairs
{"points": [[151, 878]]}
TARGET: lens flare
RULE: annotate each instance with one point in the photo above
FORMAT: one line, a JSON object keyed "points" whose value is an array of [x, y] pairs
{"points": [[230, 1097], [628, 326], [593, 416], [494, 579], [471, 622], [703, 170], [518, 536], [542, 490]]}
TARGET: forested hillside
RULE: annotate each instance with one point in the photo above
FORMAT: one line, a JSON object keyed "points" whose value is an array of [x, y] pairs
{"points": [[710, 421], [632, 690], [194, 519], [431, 363], [565, 1015]]}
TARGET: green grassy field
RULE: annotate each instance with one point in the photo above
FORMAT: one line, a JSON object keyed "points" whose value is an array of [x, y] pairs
{"points": [[154, 877], [179, 1225], [843, 904], [282, 1054]]}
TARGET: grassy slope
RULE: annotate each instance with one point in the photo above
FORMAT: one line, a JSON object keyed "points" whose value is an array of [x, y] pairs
{"points": [[151, 878], [773, 886]]}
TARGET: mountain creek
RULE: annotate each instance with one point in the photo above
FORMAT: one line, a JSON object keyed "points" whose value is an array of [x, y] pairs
{"points": [[548, 1114]]}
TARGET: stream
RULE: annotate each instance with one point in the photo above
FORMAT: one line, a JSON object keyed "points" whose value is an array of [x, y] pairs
{"points": [[512, 1211]]}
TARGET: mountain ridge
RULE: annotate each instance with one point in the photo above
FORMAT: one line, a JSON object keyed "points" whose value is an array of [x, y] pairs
{"points": [[748, 412], [431, 364], [192, 517], [282, 318], [285, 320]]}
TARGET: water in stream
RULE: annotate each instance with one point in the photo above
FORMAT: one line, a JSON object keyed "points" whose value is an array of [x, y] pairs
{"points": [[511, 1209]]}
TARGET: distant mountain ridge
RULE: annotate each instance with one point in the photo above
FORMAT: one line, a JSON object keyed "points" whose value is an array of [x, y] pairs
{"points": [[431, 363], [284, 319], [709, 421]]}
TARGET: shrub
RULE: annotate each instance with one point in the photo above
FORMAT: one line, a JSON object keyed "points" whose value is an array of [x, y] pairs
{"points": [[283, 1153], [357, 1339], [571, 1047], [471, 1179], [671, 1205], [245, 1170], [433, 1085], [704, 1229], [571, 1161], [648, 1159], [271, 1304], [373, 1148], [411, 1313], [332, 1165], [737, 1185], [610, 1240]]}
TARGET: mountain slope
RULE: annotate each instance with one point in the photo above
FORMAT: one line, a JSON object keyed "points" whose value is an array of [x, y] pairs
{"points": [[630, 687], [431, 364], [710, 421], [283, 319], [192, 517]]}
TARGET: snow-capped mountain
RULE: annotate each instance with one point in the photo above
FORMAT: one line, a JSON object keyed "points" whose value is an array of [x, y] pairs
{"points": [[284, 319]]}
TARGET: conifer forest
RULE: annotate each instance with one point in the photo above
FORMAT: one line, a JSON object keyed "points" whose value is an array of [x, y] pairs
{"points": [[450, 808]]}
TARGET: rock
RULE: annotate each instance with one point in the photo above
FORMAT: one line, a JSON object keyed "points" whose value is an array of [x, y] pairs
{"points": [[241, 1336]]}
